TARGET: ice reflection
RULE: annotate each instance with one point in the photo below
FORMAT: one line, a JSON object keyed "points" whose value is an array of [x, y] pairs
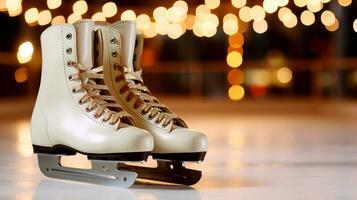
{"points": [[63, 190], [24, 145]]}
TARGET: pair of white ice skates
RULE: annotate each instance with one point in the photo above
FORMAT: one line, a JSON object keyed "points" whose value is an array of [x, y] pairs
{"points": [[92, 100]]}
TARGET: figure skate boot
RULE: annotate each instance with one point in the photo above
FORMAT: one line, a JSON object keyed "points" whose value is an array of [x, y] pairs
{"points": [[174, 143], [74, 113]]}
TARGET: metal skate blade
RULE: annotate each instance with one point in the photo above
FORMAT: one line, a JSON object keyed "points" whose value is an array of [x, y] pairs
{"points": [[102, 172]]}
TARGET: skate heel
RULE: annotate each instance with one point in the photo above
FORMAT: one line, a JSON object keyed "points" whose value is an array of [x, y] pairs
{"points": [[55, 150]]}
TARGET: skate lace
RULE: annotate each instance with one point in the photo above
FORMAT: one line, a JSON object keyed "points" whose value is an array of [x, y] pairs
{"points": [[97, 101], [151, 103]]}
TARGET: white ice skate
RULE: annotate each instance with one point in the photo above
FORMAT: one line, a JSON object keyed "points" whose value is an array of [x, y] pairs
{"points": [[119, 49], [74, 112]]}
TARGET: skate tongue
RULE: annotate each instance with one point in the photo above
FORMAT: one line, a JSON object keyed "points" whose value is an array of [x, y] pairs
{"points": [[139, 44], [85, 41], [127, 30]]}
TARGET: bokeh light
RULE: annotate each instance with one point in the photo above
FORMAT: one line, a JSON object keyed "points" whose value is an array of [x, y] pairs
{"points": [[236, 92], [21, 75], [80, 7], [109, 9], [44, 17], [284, 75], [234, 59], [31, 16], [307, 18], [25, 51], [53, 4], [128, 15]]}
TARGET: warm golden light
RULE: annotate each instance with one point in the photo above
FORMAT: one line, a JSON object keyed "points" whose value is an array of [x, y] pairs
{"points": [[44, 17], [53, 4], [333, 27], [355, 25], [175, 30], [31, 16], [14, 7], [189, 22], [202, 10], [176, 14], [73, 18], [284, 14], [234, 59], [235, 77], [292, 22], [257, 13], [181, 4], [239, 3], [345, 3], [128, 15], [160, 14], [150, 32], [307, 18], [80, 7], [244, 14], [236, 40], [236, 92], [143, 21], [99, 17], [25, 51], [314, 6], [21, 75], [300, 3], [212, 4], [328, 18], [109, 9], [161, 27], [282, 3], [230, 24], [284, 75], [58, 20], [270, 6], [260, 26]]}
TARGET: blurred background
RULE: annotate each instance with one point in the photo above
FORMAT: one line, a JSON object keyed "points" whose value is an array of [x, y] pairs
{"points": [[210, 49], [273, 83]]}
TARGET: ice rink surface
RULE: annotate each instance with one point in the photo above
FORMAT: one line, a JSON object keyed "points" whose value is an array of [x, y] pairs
{"points": [[292, 154]]}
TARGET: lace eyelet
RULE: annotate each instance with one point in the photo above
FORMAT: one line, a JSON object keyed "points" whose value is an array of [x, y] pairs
{"points": [[69, 63], [68, 36], [112, 123], [104, 120], [165, 125], [69, 50], [74, 91], [88, 110], [114, 53], [157, 122], [70, 77], [113, 40], [96, 116], [143, 112], [150, 117]]}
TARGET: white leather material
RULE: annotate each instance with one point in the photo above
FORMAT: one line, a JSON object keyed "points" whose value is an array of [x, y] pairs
{"points": [[127, 30], [178, 140], [85, 37], [58, 118]]}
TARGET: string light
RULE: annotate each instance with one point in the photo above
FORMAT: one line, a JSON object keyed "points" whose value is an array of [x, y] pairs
{"points": [[25, 51], [109, 9], [80, 7], [284, 75], [236, 92], [44, 17], [355, 25], [234, 59], [53, 4], [143, 21], [212, 4], [328, 18], [128, 15], [239, 3], [99, 16], [73, 18], [345, 3], [58, 20], [31, 16], [260, 26], [307, 18]]}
